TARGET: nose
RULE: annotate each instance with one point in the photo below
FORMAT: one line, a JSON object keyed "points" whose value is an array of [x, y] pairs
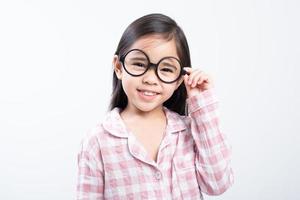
{"points": [[150, 77]]}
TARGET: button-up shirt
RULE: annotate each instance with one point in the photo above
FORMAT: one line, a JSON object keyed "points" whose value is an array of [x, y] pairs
{"points": [[193, 157]]}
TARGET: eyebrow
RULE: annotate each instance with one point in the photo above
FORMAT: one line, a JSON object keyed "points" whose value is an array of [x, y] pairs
{"points": [[139, 59], [171, 64]]}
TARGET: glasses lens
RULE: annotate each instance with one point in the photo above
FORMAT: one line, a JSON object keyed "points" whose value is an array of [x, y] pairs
{"points": [[136, 62], [169, 69]]}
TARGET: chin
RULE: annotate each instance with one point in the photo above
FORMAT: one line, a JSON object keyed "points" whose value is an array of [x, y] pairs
{"points": [[148, 108]]}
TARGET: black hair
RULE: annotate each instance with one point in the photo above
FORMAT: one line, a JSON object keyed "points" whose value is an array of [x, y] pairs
{"points": [[166, 27]]}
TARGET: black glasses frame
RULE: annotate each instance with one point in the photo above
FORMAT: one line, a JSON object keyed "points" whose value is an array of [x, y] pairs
{"points": [[155, 66]]}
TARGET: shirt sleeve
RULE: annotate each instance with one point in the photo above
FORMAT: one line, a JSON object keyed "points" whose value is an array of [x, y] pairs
{"points": [[90, 171], [213, 153]]}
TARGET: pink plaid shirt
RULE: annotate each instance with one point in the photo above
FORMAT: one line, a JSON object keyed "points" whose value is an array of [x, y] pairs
{"points": [[193, 157]]}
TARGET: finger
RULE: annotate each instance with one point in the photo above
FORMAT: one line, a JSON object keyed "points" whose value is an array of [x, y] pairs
{"points": [[198, 79], [206, 78], [193, 75], [188, 69], [185, 78], [207, 82]]}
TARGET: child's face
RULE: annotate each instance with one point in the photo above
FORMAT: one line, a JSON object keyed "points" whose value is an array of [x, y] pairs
{"points": [[147, 93]]}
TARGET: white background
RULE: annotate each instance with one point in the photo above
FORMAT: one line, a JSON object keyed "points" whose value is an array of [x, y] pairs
{"points": [[55, 84]]}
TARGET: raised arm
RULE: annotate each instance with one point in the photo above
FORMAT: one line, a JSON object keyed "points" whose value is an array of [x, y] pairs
{"points": [[214, 173]]}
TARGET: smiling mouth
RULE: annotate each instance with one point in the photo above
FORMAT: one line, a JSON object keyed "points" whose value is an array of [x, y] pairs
{"points": [[148, 93]]}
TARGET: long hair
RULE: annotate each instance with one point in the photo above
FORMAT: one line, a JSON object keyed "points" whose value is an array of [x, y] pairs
{"points": [[168, 29]]}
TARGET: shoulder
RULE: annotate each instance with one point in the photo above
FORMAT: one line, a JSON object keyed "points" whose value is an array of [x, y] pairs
{"points": [[104, 132], [176, 122], [90, 141], [91, 138]]}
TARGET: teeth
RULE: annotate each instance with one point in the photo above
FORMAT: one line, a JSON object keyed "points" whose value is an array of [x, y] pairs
{"points": [[149, 93]]}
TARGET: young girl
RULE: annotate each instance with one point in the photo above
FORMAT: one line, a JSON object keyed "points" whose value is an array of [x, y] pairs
{"points": [[148, 147]]}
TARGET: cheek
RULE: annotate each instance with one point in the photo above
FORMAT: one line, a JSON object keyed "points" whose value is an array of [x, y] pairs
{"points": [[128, 85], [170, 90]]}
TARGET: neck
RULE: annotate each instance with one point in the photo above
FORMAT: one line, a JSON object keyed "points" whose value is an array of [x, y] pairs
{"points": [[144, 115]]}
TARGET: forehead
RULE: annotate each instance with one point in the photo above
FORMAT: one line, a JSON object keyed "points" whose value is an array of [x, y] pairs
{"points": [[156, 47]]}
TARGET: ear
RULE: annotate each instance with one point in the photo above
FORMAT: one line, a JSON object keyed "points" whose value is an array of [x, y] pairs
{"points": [[117, 65]]}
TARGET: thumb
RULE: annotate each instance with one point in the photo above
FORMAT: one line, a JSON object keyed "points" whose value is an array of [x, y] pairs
{"points": [[187, 86]]}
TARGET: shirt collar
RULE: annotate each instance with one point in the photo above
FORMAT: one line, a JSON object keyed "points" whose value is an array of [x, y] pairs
{"points": [[114, 124], [175, 122]]}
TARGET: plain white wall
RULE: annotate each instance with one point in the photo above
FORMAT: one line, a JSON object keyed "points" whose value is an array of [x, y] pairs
{"points": [[55, 84]]}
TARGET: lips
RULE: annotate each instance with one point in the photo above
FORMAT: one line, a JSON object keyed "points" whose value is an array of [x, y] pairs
{"points": [[149, 93]]}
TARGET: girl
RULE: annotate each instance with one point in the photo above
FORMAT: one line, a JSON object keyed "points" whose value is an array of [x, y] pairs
{"points": [[147, 148]]}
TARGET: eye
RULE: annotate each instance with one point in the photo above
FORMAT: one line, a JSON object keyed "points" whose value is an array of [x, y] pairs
{"points": [[170, 70], [139, 64]]}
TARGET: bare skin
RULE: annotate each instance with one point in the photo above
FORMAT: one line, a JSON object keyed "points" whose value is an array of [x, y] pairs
{"points": [[144, 118], [148, 129]]}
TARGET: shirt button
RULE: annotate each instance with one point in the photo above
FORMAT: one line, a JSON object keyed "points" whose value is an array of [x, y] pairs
{"points": [[157, 175]]}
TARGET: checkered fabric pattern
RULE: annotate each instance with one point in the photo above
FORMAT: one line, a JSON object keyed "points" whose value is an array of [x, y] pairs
{"points": [[194, 157]]}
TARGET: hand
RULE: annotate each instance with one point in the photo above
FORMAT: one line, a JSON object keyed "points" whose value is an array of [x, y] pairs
{"points": [[196, 81]]}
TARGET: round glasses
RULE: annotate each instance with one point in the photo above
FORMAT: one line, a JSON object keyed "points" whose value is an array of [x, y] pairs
{"points": [[136, 63]]}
